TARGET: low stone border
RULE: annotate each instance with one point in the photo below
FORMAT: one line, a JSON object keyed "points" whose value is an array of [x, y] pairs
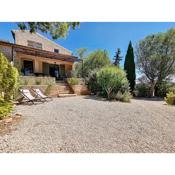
{"points": [[11, 118]]}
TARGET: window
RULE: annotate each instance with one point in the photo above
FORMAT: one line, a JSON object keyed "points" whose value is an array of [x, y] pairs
{"points": [[56, 50], [34, 44]]}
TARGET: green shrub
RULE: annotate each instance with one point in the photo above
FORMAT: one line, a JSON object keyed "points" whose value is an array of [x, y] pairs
{"points": [[91, 81], [37, 82], [48, 89], [9, 78], [170, 98], [5, 109], [172, 89], [124, 97], [111, 80], [142, 90], [73, 81], [163, 88]]}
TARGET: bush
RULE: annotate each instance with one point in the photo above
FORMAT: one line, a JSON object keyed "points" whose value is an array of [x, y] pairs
{"points": [[124, 97], [38, 82], [91, 81], [5, 109], [170, 98], [111, 80], [48, 89], [163, 88], [9, 78], [142, 90], [73, 81]]}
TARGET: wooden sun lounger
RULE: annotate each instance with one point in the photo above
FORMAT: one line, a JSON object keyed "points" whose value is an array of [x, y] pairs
{"points": [[28, 97], [40, 94]]}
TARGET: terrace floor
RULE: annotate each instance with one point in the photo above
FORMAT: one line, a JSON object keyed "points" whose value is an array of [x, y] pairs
{"points": [[89, 124]]}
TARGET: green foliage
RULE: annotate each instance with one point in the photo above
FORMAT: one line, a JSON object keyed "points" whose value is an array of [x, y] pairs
{"points": [[5, 109], [111, 80], [73, 81], [156, 57], [48, 89], [8, 78], [163, 88], [38, 82], [92, 82], [117, 58], [124, 97], [170, 98], [129, 66], [142, 90], [81, 52], [94, 60], [56, 29]]}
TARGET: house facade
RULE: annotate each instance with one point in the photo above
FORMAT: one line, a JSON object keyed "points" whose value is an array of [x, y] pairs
{"points": [[33, 54]]}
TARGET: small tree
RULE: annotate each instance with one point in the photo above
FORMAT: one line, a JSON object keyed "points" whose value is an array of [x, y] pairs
{"points": [[156, 57], [78, 67], [95, 60], [117, 58], [112, 80], [129, 66]]}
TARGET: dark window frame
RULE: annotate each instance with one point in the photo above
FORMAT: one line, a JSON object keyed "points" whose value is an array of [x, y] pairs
{"points": [[56, 50]]}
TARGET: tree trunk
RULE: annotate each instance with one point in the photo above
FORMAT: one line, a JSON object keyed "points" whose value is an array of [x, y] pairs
{"points": [[152, 90]]}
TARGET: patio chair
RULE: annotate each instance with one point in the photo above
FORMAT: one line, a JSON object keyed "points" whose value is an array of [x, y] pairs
{"points": [[28, 97], [39, 94]]}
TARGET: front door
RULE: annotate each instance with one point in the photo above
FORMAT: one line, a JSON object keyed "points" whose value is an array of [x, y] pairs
{"points": [[28, 67], [54, 71]]}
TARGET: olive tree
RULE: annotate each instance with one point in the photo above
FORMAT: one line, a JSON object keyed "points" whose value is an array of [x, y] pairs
{"points": [[156, 57]]}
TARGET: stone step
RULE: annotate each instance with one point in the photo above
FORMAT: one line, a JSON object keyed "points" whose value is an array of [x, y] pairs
{"points": [[66, 95], [65, 92]]}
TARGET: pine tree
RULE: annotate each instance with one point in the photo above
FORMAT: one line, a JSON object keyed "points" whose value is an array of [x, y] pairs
{"points": [[117, 58], [129, 66]]}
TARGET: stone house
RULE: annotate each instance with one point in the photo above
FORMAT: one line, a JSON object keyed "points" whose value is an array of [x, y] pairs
{"points": [[34, 54]]}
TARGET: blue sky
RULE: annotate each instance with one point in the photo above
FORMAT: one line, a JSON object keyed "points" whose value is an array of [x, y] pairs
{"points": [[100, 35]]}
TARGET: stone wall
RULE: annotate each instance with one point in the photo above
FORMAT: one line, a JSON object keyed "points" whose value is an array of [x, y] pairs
{"points": [[53, 92], [32, 80], [7, 51]]}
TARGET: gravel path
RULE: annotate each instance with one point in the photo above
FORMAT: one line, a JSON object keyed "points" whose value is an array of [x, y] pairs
{"points": [[86, 124]]}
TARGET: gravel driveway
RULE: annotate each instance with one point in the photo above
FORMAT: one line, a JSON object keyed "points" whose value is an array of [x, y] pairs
{"points": [[87, 124]]}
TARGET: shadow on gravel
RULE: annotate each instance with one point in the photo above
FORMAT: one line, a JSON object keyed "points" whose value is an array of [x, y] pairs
{"points": [[148, 99], [94, 97]]}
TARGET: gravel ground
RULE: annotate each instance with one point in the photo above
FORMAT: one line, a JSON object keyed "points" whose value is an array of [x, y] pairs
{"points": [[87, 124]]}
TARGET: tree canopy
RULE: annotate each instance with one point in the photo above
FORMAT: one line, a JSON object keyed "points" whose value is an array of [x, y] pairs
{"points": [[91, 62], [156, 57], [55, 29]]}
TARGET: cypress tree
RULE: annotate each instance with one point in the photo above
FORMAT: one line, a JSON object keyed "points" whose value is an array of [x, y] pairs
{"points": [[129, 66]]}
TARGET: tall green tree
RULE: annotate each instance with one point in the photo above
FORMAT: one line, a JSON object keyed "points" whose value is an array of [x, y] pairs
{"points": [[81, 52], [117, 57], [55, 29], [78, 67], [129, 66], [156, 57], [96, 60]]}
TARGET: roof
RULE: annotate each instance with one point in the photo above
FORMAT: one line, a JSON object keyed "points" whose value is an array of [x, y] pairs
{"points": [[41, 36], [39, 52]]}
